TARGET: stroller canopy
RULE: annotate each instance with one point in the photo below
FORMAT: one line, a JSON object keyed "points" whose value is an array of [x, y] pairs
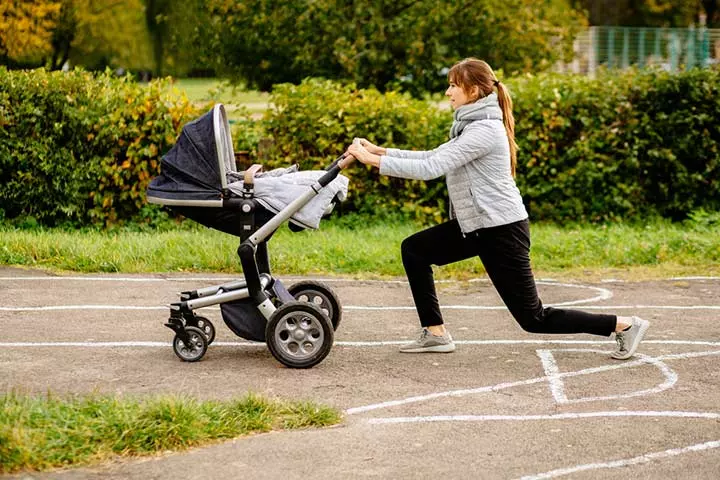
{"points": [[194, 170]]}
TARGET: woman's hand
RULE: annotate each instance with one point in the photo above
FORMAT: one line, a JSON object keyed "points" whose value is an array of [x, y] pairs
{"points": [[374, 149], [357, 150]]}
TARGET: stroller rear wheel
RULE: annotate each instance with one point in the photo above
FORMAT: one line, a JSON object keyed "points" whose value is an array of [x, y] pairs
{"points": [[194, 348], [321, 295], [299, 334], [205, 325]]}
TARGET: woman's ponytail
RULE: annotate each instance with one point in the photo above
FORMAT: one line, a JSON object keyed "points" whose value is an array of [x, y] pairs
{"points": [[472, 72], [506, 105]]}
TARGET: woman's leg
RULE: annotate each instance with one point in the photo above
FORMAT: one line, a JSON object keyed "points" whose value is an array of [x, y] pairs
{"points": [[505, 253], [438, 245]]}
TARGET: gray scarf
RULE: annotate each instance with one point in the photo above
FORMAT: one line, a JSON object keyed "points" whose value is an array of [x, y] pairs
{"points": [[487, 108]]}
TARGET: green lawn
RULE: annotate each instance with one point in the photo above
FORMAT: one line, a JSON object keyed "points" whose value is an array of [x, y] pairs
{"points": [[49, 431], [366, 250], [201, 90]]}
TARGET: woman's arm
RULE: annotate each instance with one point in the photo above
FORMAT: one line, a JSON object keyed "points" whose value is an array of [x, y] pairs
{"points": [[477, 140], [393, 152]]}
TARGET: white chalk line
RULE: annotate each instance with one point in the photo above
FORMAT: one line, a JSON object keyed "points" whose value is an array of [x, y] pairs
{"points": [[604, 294], [557, 385], [363, 308], [531, 381], [527, 418], [91, 344], [140, 344], [645, 458], [230, 279]]}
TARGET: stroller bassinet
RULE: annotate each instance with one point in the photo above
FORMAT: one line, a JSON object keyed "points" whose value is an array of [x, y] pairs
{"points": [[199, 180]]}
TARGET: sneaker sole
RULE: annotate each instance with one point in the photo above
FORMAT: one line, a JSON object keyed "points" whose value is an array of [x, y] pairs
{"points": [[434, 349], [638, 338]]}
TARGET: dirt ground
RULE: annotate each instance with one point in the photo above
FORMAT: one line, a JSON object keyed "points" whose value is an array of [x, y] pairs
{"points": [[506, 404]]}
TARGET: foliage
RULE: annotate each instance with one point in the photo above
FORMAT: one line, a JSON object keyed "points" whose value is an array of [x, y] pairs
{"points": [[93, 33], [26, 29], [645, 13], [313, 123], [624, 145], [135, 134], [108, 33], [81, 148], [384, 43]]}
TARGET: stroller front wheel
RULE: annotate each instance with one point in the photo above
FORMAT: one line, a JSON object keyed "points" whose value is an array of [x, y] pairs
{"points": [[192, 349], [205, 325], [299, 334]]}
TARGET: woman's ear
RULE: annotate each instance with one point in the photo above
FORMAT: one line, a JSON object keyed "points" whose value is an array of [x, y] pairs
{"points": [[475, 93]]}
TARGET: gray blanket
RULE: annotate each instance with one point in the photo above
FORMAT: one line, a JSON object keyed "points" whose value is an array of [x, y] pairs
{"points": [[277, 188]]}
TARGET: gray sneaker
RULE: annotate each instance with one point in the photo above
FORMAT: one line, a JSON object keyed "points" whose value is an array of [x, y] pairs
{"points": [[628, 340], [430, 343]]}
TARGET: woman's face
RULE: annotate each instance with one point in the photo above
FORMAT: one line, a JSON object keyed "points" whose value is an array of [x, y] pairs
{"points": [[458, 96]]}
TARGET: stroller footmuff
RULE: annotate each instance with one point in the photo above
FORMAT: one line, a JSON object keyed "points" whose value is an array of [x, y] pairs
{"points": [[198, 180]]}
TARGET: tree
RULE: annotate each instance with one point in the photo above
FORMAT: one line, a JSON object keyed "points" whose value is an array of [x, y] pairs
{"points": [[26, 28], [385, 42], [643, 13], [156, 13], [92, 33], [100, 33], [712, 10]]}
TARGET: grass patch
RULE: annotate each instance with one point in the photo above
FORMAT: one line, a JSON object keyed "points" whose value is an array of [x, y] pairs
{"points": [[41, 433], [361, 249], [202, 90]]}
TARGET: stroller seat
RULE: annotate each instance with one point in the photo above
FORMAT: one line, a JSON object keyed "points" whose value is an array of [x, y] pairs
{"points": [[199, 180]]}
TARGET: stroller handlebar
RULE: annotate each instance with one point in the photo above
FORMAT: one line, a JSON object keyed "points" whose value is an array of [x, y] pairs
{"points": [[340, 163], [344, 161]]}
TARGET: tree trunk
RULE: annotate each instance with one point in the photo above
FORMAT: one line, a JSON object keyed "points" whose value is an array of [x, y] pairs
{"points": [[711, 10]]}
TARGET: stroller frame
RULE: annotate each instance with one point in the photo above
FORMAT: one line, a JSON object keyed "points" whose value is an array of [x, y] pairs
{"points": [[300, 320]]}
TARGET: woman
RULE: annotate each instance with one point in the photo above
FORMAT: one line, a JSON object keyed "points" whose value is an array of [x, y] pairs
{"points": [[489, 219]]}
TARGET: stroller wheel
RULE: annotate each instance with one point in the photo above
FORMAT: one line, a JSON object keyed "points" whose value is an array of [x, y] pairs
{"points": [[321, 295], [299, 335], [205, 325], [194, 349]]}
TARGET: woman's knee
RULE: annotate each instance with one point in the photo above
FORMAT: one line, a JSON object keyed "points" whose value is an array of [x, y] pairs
{"points": [[532, 321], [409, 247]]}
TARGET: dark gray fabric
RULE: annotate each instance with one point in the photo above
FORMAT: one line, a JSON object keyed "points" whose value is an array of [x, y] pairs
{"points": [[244, 319], [190, 170]]}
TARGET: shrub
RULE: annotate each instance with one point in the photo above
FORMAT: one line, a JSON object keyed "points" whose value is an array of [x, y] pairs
{"points": [[81, 148], [623, 145], [314, 122]]}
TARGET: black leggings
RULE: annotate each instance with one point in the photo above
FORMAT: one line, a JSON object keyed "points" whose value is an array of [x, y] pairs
{"points": [[505, 253]]}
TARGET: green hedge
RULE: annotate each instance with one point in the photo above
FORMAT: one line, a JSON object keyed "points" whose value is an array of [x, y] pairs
{"points": [[624, 145], [312, 123], [80, 148]]}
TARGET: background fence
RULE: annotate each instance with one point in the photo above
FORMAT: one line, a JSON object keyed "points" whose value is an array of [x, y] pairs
{"points": [[671, 49]]}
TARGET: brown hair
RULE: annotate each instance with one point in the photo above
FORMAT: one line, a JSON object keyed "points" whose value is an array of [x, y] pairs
{"points": [[472, 72]]}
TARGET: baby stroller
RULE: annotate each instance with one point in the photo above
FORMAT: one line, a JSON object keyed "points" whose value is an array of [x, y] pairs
{"points": [[199, 180]]}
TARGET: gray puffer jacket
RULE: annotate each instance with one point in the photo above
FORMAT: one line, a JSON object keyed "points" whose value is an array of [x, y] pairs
{"points": [[476, 165]]}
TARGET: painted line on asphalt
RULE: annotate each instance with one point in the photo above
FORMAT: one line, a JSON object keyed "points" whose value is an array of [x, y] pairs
{"points": [[603, 294], [526, 418], [557, 385], [239, 277], [389, 343], [645, 458], [363, 307], [531, 381]]}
